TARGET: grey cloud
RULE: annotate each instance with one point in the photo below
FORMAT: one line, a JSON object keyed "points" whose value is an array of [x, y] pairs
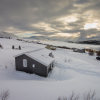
{"points": [[81, 1], [20, 14], [24, 12]]}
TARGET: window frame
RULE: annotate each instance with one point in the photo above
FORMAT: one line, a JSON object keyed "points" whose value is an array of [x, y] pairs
{"points": [[24, 62]]}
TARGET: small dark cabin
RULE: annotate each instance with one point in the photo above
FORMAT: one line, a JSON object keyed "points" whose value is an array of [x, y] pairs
{"points": [[35, 62]]}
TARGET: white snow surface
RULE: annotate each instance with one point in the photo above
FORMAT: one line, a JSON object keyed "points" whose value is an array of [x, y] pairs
{"points": [[73, 71], [71, 45], [41, 55]]}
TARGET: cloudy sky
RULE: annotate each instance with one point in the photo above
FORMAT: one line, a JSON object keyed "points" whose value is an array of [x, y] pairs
{"points": [[62, 19]]}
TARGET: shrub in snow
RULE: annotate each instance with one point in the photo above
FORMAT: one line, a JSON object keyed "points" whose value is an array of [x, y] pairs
{"points": [[91, 52], [13, 47], [78, 50], [51, 55], [98, 53], [82, 51], [98, 58], [89, 96], [4, 95], [64, 47], [19, 47], [50, 47], [67, 60], [1, 46], [5, 67]]}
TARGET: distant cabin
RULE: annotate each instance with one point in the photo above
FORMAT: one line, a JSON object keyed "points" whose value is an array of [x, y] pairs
{"points": [[38, 62]]}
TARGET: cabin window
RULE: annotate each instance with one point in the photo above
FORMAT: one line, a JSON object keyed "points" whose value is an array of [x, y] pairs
{"points": [[24, 62], [33, 65]]}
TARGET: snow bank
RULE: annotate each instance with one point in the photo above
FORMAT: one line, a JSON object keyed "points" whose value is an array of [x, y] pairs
{"points": [[72, 72]]}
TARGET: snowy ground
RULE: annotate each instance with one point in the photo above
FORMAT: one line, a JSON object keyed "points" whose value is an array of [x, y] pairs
{"points": [[72, 72], [71, 45]]}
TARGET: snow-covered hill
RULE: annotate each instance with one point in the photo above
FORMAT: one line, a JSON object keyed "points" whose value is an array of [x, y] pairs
{"points": [[7, 35], [72, 72], [70, 45]]}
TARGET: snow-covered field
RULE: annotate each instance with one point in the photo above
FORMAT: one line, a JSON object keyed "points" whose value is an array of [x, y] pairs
{"points": [[72, 72], [71, 45]]}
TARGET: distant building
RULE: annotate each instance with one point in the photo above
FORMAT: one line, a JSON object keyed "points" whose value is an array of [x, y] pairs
{"points": [[38, 62]]}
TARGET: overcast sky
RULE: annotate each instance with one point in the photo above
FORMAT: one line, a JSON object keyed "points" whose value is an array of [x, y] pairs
{"points": [[68, 19]]}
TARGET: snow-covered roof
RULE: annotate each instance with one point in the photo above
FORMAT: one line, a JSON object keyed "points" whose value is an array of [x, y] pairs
{"points": [[41, 56]]}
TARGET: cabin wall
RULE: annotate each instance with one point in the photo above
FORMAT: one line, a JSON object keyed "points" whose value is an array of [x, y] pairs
{"points": [[50, 67], [19, 64], [38, 69]]}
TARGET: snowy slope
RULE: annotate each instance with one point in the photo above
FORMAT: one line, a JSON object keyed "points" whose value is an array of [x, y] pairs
{"points": [[72, 45], [7, 35], [72, 72], [67, 44]]}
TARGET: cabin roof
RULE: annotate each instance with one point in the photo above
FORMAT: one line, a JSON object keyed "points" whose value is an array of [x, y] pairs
{"points": [[41, 56]]}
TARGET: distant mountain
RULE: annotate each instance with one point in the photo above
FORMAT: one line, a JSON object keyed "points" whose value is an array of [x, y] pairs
{"points": [[92, 40], [7, 35], [49, 38], [36, 37]]}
